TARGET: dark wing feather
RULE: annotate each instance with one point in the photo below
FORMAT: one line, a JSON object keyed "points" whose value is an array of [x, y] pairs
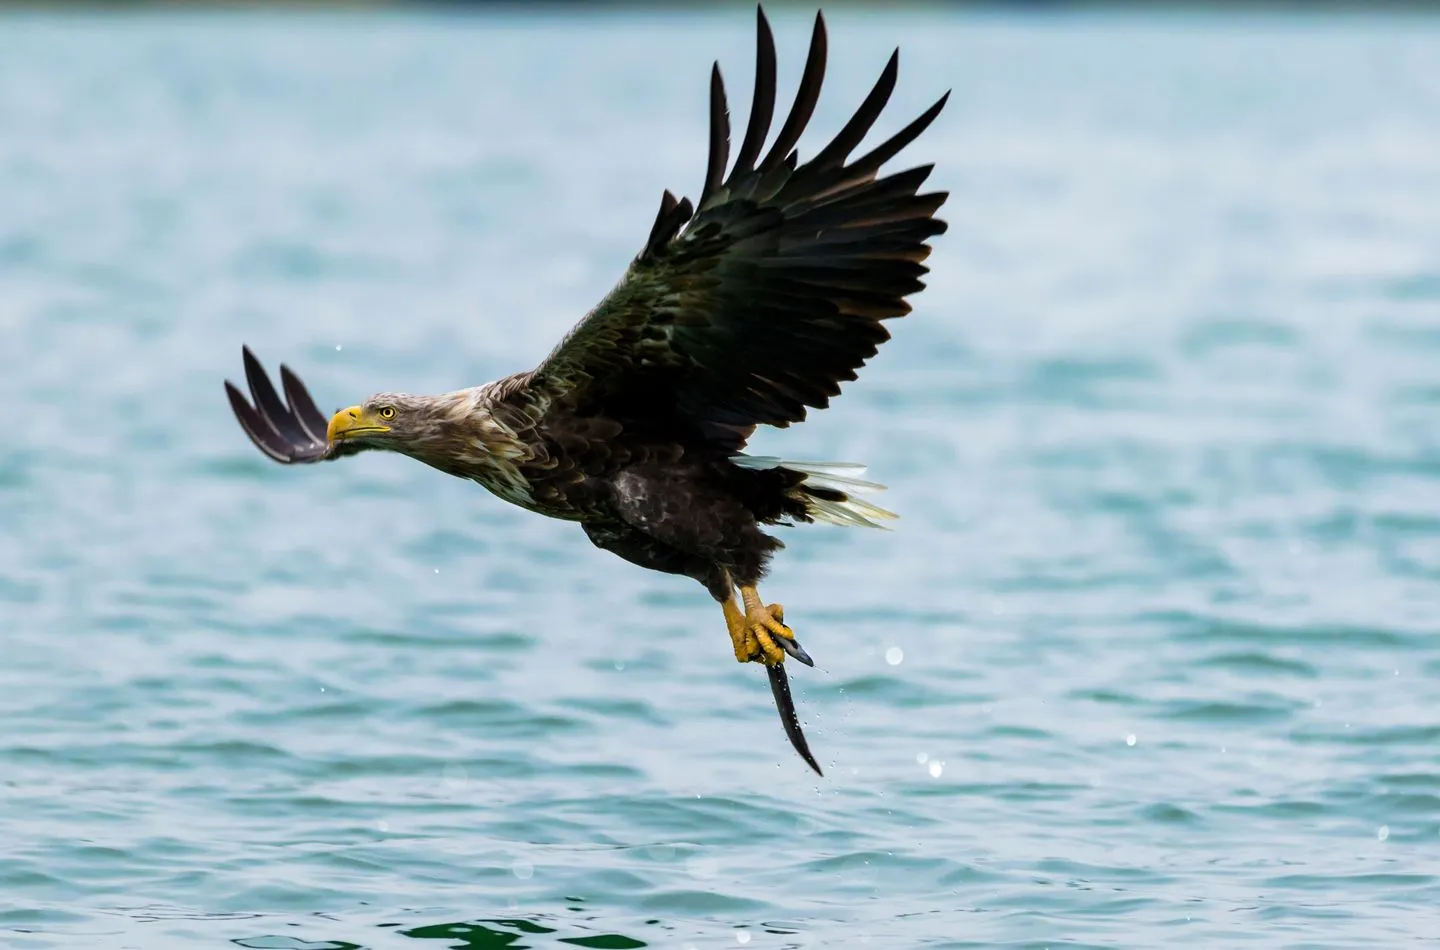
{"points": [[759, 305], [290, 431], [762, 103]]}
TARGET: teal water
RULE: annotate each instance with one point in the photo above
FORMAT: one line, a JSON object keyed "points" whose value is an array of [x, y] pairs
{"points": [[1153, 656]]}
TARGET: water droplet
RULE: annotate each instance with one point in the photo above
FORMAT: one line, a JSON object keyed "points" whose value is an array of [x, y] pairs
{"points": [[522, 869], [437, 570], [1130, 739], [936, 768], [858, 871], [337, 347], [922, 757], [742, 936], [1383, 833], [619, 664], [894, 655], [382, 825]]}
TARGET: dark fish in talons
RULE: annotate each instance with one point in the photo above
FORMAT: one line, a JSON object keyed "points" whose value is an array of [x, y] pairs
{"points": [[785, 704]]}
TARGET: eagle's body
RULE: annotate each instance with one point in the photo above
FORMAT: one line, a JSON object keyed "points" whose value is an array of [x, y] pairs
{"points": [[742, 311], [656, 495]]}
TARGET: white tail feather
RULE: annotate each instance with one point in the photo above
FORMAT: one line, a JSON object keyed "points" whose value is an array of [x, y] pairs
{"points": [[828, 476]]}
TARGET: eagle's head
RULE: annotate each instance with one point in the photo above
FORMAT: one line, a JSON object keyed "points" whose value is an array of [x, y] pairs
{"points": [[394, 421]]}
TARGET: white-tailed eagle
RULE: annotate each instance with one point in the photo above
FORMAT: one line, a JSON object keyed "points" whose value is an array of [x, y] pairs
{"points": [[745, 309]]}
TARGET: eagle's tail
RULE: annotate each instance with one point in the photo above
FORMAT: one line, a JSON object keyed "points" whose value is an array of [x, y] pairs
{"points": [[828, 490]]}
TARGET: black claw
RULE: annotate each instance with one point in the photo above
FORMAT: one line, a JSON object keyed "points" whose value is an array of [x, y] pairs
{"points": [[785, 704]]}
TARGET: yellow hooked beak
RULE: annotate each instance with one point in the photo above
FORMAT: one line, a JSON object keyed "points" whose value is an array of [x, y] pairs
{"points": [[352, 423]]}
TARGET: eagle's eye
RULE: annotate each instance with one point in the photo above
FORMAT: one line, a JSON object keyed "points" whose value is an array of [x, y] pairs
{"points": [[387, 413]]}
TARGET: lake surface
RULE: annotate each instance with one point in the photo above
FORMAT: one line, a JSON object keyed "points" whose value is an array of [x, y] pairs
{"points": [[1153, 655]]}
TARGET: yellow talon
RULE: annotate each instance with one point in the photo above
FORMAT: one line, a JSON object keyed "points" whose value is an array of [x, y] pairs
{"points": [[754, 631], [764, 625]]}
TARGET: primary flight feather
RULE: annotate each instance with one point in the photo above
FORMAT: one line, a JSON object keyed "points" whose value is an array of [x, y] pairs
{"points": [[746, 308]]}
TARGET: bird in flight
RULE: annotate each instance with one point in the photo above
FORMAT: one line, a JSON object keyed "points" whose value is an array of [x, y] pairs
{"points": [[744, 309]]}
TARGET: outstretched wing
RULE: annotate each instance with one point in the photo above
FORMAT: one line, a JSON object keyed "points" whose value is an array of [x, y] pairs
{"points": [[761, 302], [290, 431]]}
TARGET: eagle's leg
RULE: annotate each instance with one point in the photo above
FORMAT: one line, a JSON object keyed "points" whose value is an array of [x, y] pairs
{"points": [[746, 646]]}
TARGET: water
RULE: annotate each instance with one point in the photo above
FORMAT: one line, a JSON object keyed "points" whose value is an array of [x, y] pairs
{"points": [[1153, 655]]}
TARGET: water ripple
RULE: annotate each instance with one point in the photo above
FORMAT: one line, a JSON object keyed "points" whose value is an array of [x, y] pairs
{"points": [[1150, 658]]}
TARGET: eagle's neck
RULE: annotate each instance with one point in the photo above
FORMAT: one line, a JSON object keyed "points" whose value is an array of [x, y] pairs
{"points": [[470, 436]]}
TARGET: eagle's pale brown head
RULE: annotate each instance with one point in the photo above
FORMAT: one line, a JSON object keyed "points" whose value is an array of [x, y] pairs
{"points": [[453, 432], [394, 421]]}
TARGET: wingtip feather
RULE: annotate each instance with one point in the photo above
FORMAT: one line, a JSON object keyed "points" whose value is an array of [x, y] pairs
{"points": [[811, 81], [762, 104], [719, 135]]}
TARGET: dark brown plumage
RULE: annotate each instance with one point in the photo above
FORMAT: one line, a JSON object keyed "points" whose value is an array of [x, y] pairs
{"points": [[746, 309]]}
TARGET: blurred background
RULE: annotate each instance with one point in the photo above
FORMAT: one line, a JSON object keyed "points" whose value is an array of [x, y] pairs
{"points": [[1151, 656]]}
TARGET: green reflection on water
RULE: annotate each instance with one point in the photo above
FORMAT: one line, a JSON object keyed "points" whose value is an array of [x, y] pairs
{"points": [[488, 934]]}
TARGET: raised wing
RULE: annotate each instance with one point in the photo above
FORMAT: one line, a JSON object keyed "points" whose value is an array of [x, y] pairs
{"points": [[290, 431], [774, 291]]}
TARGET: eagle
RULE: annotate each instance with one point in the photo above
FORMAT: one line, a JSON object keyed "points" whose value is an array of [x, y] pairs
{"points": [[746, 308]]}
